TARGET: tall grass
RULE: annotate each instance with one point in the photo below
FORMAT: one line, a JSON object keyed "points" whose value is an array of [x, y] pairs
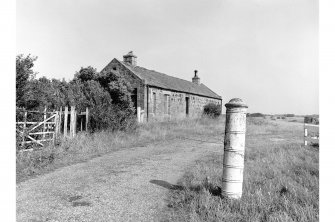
{"points": [[281, 181], [86, 146]]}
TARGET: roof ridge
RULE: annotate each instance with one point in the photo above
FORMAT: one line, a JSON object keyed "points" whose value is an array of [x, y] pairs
{"points": [[165, 74], [159, 79]]}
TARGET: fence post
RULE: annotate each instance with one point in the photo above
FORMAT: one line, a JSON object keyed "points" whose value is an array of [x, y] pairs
{"points": [[142, 116], [234, 147], [56, 127], [24, 129], [86, 123], [66, 114], [44, 118], [73, 122], [139, 114], [60, 120], [305, 134], [81, 123]]}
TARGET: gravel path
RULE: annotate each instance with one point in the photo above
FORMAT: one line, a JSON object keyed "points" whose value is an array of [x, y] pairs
{"points": [[120, 186]]}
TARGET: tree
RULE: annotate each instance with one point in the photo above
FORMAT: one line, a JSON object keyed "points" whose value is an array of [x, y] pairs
{"points": [[120, 113], [119, 89], [86, 74], [24, 73], [107, 94]]}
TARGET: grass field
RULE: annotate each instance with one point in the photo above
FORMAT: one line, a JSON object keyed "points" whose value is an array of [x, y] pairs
{"points": [[87, 146], [281, 176], [281, 180]]}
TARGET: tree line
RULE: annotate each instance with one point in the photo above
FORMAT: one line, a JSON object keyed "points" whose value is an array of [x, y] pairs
{"points": [[107, 94]]}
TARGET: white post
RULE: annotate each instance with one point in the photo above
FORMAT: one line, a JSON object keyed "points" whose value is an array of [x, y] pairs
{"points": [[66, 115], [139, 114], [86, 123], [44, 125], [234, 146], [142, 116], [305, 134]]}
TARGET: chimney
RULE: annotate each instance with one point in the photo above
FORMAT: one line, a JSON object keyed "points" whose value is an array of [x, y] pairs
{"points": [[130, 59], [196, 79]]}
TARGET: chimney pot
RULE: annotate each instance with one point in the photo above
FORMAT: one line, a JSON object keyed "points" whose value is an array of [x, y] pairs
{"points": [[130, 59], [196, 79]]}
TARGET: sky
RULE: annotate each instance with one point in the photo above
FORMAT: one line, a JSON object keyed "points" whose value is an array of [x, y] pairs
{"points": [[264, 52]]}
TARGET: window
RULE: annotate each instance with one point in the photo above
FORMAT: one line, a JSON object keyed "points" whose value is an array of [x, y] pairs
{"points": [[154, 102], [166, 104], [114, 68]]}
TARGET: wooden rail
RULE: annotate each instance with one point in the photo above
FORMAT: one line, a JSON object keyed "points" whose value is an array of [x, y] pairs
{"points": [[309, 135], [49, 129]]}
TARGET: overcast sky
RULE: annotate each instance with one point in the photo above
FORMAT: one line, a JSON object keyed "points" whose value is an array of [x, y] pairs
{"points": [[263, 51]]}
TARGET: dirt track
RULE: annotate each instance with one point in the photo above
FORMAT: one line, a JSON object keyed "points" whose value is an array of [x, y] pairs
{"points": [[127, 185]]}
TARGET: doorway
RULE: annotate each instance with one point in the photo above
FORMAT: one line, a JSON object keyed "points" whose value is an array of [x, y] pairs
{"points": [[187, 105], [134, 99]]}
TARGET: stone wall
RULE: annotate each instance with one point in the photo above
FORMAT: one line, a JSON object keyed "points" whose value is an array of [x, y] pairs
{"points": [[172, 105], [169, 104]]}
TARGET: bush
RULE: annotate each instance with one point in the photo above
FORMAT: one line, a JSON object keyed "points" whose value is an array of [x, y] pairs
{"points": [[289, 115], [311, 120], [212, 110], [106, 94], [255, 115]]}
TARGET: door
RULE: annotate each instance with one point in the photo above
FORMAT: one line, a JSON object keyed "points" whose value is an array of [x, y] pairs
{"points": [[134, 99], [187, 105]]}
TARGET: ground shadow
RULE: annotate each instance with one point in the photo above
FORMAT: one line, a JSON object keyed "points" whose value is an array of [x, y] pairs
{"points": [[214, 190]]}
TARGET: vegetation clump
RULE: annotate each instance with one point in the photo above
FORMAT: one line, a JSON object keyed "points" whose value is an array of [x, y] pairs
{"points": [[107, 95], [212, 110], [255, 115]]}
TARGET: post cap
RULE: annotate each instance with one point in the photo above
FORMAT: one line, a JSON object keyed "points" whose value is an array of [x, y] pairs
{"points": [[236, 102]]}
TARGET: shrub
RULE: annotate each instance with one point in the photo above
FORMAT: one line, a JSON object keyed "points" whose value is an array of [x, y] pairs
{"points": [[256, 115], [289, 115], [106, 94], [212, 110], [311, 120]]}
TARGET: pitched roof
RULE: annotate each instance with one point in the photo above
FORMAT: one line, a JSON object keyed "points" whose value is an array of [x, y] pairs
{"points": [[162, 80]]}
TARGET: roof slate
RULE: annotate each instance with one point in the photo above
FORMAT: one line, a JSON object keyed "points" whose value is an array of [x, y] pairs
{"points": [[165, 81]]}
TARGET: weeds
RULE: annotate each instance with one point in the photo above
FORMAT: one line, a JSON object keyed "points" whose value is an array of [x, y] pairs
{"points": [[86, 146], [281, 181]]}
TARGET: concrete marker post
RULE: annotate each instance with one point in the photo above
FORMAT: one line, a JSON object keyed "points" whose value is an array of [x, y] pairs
{"points": [[305, 135], [234, 147], [139, 114]]}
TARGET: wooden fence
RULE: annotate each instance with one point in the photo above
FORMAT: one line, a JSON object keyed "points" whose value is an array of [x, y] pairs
{"points": [[311, 134], [40, 127], [31, 131], [69, 120]]}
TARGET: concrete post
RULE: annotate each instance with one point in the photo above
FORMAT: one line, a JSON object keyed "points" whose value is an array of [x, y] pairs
{"points": [[305, 135], [234, 146], [139, 114]]}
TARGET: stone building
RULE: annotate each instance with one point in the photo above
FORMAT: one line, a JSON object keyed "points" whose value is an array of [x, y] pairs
{"points": [[158, 96]]}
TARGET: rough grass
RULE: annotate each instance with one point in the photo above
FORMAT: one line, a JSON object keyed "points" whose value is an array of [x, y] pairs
{"points": [[86, 146], [281, 180]]}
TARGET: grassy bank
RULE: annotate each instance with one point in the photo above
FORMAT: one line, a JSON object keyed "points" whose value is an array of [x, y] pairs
{"points": [[87, 146], [281, 180]]}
